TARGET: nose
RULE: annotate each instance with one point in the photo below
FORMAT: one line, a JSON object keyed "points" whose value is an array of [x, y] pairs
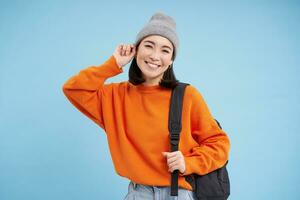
{"points": [[154, 55]]}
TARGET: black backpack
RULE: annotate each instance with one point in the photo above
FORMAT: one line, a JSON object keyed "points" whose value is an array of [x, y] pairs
{"points": [[212, 186]]}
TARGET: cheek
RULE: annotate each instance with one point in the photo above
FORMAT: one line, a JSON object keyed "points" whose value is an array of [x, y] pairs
{"points": [[144, 51], [140, 60], [141, 56], [167, 61]]}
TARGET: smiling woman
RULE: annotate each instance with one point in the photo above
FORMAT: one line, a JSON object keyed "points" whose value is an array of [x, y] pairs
{"points": [[153, 50], [134, 115]]}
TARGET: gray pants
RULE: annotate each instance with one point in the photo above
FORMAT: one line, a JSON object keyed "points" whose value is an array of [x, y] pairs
{"points": [[145, 192]]}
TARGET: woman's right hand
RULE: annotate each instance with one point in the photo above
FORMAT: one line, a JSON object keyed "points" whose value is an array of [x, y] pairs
{"points": [[124, 53]]}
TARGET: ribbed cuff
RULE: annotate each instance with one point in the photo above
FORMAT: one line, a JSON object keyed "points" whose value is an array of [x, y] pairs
{"points": [[188, 169]]}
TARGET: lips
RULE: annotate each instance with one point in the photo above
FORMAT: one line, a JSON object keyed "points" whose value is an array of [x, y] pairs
{"points": [[152, 65]]}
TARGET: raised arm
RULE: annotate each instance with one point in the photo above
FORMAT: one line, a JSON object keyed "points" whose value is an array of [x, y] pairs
{"points": [[85, 89]]}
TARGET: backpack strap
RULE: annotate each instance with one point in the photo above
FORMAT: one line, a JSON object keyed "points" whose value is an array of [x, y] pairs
{"points": [[175, 113]]}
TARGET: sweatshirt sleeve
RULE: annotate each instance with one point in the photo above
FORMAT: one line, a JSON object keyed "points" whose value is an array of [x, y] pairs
{"points": [[84, 90], [213, 150]]}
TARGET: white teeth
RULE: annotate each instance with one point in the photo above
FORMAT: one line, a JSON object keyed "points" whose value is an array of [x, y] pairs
{"points": [[152, 65]]}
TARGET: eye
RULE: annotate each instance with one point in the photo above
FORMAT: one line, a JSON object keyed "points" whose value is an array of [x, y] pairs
{"points": [[148, 46], [166, 51]]}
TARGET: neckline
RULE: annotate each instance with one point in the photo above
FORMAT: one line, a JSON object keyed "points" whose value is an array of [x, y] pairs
{"points": [[146, 88]]}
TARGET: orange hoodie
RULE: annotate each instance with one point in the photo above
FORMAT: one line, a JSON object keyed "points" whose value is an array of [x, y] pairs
{"points": [[135, 120]]}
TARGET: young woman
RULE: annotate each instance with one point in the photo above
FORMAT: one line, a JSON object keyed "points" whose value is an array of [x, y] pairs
{"points": [[134, 115]]}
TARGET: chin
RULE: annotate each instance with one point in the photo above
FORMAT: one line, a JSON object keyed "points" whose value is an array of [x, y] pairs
{"points": [[151, 75]]}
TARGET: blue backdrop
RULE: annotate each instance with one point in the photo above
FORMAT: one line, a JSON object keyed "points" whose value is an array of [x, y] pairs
{"points": [[242, 56]]}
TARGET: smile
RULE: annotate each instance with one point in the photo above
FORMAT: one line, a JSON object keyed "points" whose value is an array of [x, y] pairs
{"points": [[151, 65]]}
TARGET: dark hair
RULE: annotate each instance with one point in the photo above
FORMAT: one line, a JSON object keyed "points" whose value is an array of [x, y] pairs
{"points": [[135, 75]]}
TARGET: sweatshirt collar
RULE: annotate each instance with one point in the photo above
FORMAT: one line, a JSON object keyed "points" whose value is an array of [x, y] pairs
{"points": [[147, 89]]}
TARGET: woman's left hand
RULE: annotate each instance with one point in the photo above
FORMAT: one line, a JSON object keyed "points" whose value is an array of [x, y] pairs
{"points": [[175, 160]]}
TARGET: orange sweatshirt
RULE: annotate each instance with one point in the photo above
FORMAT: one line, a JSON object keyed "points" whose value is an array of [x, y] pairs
{"points": [[135, 120]]}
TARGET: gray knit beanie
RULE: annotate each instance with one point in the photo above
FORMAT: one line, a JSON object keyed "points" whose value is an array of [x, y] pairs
{"points": [[163, 25]]}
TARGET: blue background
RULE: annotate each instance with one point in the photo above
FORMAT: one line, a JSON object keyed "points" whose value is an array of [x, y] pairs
{"points": [[243, 56]]}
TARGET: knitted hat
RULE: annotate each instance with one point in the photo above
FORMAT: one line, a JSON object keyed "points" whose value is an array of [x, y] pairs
{"points": [[163, 25]]}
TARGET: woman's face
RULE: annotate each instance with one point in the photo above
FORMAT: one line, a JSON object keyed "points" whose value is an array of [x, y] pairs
{"points": [[153, 57]]}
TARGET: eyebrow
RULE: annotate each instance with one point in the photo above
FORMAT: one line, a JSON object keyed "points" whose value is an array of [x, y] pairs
{"points": [[154, 44]]}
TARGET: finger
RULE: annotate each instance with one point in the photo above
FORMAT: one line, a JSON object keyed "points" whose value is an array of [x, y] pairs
{"points": [[173, 164], [120, 49], [165, 154], [123, 49], [171, 160], [172, 169], [133, 49], [127, 51], [172, 154]]}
